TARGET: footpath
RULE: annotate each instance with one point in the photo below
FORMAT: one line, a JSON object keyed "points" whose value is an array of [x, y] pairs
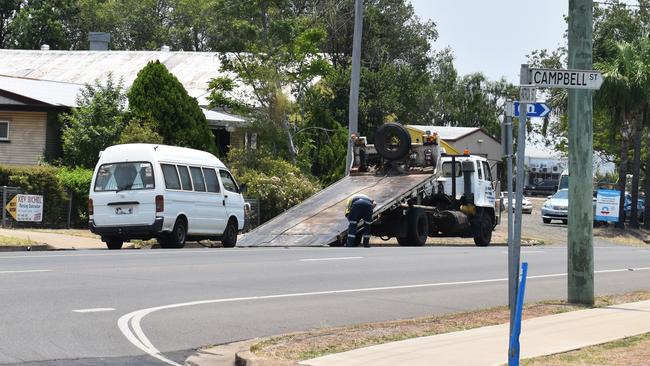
{"points": [[55, 241], [480, 346]]}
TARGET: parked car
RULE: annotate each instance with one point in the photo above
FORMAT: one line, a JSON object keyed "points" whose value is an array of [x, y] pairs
{"points": [[545, 188], [527, 206], [144, 191], [556, 207]]}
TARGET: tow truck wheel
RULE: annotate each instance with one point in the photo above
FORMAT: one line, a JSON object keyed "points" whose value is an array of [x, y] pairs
{"points": [[392, 141], [485, 235], [417, 228]]}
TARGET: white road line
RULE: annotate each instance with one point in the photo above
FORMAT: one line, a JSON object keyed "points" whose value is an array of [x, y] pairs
{"points": [[95, 310], [526, 251], [129, 324], [328, 259], [27, 271], [142, 252]]}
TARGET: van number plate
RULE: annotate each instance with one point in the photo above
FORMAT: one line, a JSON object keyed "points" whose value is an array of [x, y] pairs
{"points": [[124, 210]]}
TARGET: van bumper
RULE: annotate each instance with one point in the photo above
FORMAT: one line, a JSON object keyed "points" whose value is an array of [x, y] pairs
{"points": [[143, 232]]}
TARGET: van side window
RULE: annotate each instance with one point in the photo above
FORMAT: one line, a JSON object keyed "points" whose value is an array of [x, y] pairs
{"points": [[171, 176], [228, 181], [197, 178], [211, 180], [186, 182]]}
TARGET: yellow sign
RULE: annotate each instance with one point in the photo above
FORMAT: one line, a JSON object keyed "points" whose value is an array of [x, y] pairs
{"points": [[11, 207]]}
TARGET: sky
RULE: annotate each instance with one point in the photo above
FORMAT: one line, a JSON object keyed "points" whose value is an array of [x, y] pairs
{"points": [[494, 37]]}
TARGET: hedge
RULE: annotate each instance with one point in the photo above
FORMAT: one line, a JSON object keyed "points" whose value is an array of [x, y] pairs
{"points": [[57, 186]]}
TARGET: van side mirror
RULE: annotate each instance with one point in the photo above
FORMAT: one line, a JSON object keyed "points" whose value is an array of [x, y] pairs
{"points": [[243, 188]]}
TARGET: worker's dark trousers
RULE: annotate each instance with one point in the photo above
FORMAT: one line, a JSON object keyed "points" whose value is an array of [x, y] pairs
{"points": [[361, 209]]}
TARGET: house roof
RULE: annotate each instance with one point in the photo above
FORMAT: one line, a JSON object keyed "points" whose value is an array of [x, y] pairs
{"points": [[222, 119], [448, 133], [53, 93], [193, 69]]}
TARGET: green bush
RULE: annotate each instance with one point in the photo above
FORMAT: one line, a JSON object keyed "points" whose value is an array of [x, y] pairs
{"points": [[55, 185], [278, 184], [77, 182]]}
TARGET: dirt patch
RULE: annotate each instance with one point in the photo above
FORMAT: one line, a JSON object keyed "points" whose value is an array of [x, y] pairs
{"points": [[11, 241], [627, 236], [84, 233], [632, 351], [315, 343]]}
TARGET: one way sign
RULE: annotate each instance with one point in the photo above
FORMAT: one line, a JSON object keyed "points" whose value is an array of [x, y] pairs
{"points": [[534, 109]]}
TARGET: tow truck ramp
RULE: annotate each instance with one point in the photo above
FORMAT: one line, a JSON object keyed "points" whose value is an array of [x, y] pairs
{"points": [[320, 220]]}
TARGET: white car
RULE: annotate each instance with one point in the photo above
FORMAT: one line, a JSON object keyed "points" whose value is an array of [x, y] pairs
{"points": [[527, 206]]}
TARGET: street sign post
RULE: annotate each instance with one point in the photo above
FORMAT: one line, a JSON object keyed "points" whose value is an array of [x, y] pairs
{"points": [[533, 109], [527, 94], [569, 79]]}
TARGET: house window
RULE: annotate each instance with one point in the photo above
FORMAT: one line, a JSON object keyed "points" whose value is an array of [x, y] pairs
{"points": [[4, 130]]}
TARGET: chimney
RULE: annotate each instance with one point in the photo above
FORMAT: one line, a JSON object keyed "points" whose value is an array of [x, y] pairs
{"points": [[164, 48], [45, 47], [99, 41]]}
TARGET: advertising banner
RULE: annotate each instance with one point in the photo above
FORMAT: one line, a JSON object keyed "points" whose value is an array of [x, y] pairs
{"points": [[607, 203]]}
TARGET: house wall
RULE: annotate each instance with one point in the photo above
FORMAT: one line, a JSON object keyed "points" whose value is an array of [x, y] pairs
{"points": [[27, 131], [489, 148]]}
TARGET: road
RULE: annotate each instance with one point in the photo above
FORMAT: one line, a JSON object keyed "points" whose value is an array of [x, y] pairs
{"points": [[153, 307]]}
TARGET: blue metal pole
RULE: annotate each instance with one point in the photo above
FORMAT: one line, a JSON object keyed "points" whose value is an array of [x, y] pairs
{"points": [[513, 353]]}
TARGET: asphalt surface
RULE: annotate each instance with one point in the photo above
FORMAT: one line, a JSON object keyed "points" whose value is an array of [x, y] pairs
{"points": [[255, 292]]}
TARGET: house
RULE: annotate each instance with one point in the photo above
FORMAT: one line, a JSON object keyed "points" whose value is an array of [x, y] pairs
{"points": [[474, 139], [31, 78]]}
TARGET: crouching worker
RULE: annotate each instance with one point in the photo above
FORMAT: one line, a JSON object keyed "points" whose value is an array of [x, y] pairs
{"points": [[359, 207]]}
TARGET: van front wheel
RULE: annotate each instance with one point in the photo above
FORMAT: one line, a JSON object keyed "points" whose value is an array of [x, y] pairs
{"points": [[229, 239]]}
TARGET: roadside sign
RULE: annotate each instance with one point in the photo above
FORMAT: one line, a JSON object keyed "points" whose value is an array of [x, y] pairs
{"points": [[528, 94], [11, 207], [533, 109], [26, 207], [570, 79], [607, 203]]}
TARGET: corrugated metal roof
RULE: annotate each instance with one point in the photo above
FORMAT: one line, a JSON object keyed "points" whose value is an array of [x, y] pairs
{"points": [[49, 92], [446, 132], [193, 69]]}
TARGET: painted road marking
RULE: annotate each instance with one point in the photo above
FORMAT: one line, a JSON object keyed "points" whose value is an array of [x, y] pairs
{"points": [[144, 252], [129, 324], [328, 259], [27, 271], [526, 251], [95, 310]]}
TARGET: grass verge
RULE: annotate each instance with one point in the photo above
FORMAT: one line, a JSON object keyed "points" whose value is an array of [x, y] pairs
{"points": [[316, 343], [11, 241]]}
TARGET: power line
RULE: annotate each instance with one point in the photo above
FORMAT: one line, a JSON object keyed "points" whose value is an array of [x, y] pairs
{"points": [[609, 3]]}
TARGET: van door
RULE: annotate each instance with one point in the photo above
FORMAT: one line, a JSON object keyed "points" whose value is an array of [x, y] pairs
{"points": [[233, 199], [216, 210], [124, 194]]}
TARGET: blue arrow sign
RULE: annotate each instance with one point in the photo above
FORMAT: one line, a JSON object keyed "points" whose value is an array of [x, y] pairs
{"points": [[534, 109]]}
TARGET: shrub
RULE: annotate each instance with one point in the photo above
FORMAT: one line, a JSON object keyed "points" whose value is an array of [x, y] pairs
{"points": [[77, 182], [278, 184]]}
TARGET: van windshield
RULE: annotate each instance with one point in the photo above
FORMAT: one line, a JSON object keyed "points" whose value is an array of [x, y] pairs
{"points": [[124, 176]]}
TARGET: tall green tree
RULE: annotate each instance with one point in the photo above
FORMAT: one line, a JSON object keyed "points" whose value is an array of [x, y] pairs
{"points": [[41, 22], [158, 95], [8, 10], [94, 124]]}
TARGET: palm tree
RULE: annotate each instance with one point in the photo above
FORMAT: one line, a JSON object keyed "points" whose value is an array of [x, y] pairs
{"points": [[625, 92]]}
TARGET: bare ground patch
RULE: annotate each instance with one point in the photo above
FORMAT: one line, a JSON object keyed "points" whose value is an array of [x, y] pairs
{"points": [[319, 342]]}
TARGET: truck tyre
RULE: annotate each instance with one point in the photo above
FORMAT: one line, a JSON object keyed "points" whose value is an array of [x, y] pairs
{"points": [[229, 238], [417, 229], [175, 239], [114, 243], [485, 234], [392, 141]]}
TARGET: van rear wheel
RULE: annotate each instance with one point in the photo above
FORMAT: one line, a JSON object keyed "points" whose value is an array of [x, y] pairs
{"points": [[114, 243], [175, 239], [229, 239]]}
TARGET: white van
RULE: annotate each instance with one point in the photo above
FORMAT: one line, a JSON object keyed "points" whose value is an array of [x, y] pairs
{"points": [[144, 191]]}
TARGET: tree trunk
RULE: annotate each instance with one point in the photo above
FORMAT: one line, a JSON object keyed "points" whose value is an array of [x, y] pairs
{"points": [[646, 212], [622, 171], [292, 148], [636, 168]]}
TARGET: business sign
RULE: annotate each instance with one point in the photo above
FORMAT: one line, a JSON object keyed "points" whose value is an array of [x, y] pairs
{"points": [[533, 109], [607, 203], [26, 207], [527, 94], [569, 79]]}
